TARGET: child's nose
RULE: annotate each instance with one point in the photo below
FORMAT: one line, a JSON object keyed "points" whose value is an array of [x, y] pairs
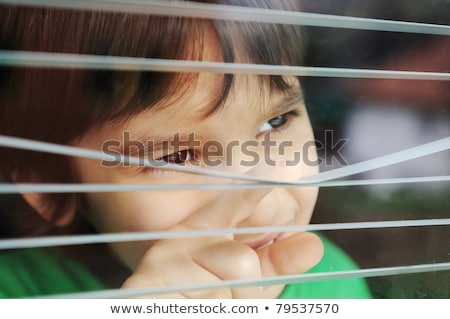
{"points": [[231, 207], [252, 158]]}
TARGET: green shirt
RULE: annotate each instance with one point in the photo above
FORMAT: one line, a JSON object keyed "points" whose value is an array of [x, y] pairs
{"points": [[39, 272], [334, 259]]}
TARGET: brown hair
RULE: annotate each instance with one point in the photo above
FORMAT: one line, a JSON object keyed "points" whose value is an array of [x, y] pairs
{"points": [[59, 106]]}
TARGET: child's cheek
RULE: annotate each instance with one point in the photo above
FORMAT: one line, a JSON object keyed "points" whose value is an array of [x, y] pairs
{"points": [[289, 169], [306, 198], [146, 212]]}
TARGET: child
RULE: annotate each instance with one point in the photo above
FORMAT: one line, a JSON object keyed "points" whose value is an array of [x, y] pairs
{"points": [[172, 118]]}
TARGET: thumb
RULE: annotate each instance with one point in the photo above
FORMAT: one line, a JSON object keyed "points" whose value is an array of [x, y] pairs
{"points": [[292, 255]]}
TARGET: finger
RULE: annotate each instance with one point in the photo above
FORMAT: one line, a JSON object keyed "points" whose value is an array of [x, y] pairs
{"points": [[197, 274], [162, 269], [230, 260], [292, 255]]}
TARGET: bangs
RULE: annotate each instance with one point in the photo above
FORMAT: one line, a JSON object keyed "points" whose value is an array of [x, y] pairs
{"points": [[81, 99]]}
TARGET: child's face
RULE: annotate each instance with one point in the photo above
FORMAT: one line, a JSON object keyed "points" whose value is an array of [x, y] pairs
{"points": [[246, 116], [251, 112]]}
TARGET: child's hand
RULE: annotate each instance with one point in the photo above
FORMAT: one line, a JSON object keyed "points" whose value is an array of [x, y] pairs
{"points": [[210, 259]]}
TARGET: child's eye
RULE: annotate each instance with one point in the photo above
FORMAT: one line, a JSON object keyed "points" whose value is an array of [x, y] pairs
{"points": [[276, 122], [179, 157]]}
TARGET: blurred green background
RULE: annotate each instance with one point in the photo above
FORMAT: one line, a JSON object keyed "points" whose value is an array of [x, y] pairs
{"points": [[376, 117]]}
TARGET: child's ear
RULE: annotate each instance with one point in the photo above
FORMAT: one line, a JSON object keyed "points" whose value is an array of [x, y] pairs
{"points": [[41, 203]]}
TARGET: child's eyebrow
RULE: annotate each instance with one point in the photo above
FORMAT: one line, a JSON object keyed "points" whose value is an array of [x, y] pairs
{"points": [[274, 107], [145, 146], [284, 104]]}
